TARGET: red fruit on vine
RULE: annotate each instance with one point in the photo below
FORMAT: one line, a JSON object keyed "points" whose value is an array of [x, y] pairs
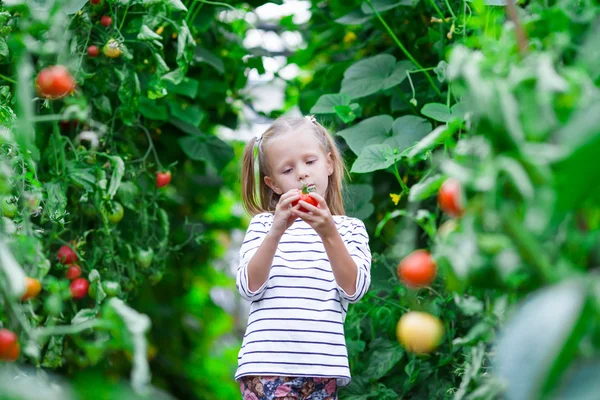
{"points": [[73, 272], [33, 287], [417, 269], [95, 2], [66, 255], [9, 345], [79, 288], [163, 179], [55, 82], [304, 196], [106, 20], [93, 51], [450, 198]]}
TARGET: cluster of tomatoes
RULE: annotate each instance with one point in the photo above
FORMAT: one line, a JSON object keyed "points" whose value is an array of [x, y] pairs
{"points": [[420, 332]]}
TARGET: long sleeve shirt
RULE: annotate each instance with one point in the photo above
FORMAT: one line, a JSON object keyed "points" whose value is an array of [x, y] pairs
{"points": [[296, 318]]}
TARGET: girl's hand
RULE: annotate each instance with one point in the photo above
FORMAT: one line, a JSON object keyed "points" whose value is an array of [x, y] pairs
{"points": [[284, 213], [319, 218]]}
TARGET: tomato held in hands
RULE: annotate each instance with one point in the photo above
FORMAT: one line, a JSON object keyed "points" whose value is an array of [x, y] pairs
{"points": [[55, 82], [66, 255], [419, 332], [106, 20], [450, 198], [79, 288], [417, 269], [9, 345], [73, 272], [163, 179], [33, 287], [304, 196]]}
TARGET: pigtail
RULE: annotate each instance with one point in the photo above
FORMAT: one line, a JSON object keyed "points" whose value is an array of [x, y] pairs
{"points": [[249, 196], [334, 197]]}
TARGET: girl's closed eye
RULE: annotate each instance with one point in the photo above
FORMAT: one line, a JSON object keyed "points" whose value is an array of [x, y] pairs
{"points": [[287, 171]]}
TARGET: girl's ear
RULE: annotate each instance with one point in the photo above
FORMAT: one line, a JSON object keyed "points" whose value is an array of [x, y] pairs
{"points": [[329, 164], [271, 183]]}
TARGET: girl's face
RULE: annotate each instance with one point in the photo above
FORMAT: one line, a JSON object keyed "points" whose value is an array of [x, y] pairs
{"points": [[296, 158]]}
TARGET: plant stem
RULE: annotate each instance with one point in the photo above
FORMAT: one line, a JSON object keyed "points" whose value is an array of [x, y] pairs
{"points": [[440, 13], [6, 78], [404, 50], [450, 8]]}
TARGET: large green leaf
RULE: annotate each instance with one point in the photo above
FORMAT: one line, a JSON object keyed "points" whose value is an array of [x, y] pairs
{"points": [[207, 148], [373, 158], [202, 55], [383, 356], [543, 333], [407, 130], [192, 114], [327, 103], [372, 130], [373, 75], [354, 18], [357, 201]]}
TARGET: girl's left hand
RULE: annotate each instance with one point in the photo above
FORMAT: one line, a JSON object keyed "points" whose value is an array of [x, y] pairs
{"points": [[319, 218]]}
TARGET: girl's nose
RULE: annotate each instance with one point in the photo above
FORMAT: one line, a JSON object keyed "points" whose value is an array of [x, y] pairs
{"points": [[302, 175]]}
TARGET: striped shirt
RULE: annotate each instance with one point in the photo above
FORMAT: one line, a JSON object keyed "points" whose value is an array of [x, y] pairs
{"points": [[296, 318]]}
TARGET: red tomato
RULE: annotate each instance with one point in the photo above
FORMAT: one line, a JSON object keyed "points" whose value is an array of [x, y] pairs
{"points": [[417, 269], [68, 125], [95, 2], [79, 288], [304, 196], [73, 272], [93, 51], [450, 198], [106, 20], [163, 179], [9, 346], [66, 255], [33, 287], [55, 82]]}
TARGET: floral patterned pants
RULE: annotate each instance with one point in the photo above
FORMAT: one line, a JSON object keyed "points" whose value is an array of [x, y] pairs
{"points": [[287, 388]]}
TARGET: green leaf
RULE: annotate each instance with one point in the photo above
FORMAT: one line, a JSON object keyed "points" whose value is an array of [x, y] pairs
{"points": [[151, 110], [426, 188], [128, 195], [185, 46], [373, 158], [202, 55], [354, 18], [408, 130], [3, 49], [129, 94], [327, 103], [102, 103], [372, 75], [117, 175], [191, 114], [174, 77], [436, 111], [57, 200], [13, 276], [81, 176], [357, 200], [383, 5], [383, 356], [346, 113], [207, 148], [543, 330], [374, 130], [581, 383], [83, 315], [175, 5], [148, 35], [187, 87], [72, 6], [438, 135]]}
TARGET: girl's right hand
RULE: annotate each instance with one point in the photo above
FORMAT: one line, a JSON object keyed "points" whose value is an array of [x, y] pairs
{"points": [[284, 216]]}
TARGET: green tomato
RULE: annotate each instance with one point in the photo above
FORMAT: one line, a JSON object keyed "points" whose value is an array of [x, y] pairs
{"points": [[9, 209], [111, 288], [144, 257], [155, 278], [117, 213], [53, 304]]}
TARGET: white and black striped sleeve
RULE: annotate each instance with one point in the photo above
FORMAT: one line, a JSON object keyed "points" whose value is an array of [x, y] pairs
{"points": [[357, 243], [255, 235]]}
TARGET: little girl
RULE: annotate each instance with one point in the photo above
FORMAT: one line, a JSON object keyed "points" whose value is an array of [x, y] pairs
{"points": [[300, 265]]}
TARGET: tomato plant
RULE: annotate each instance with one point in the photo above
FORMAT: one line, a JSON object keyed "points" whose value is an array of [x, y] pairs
{"points": [[79, 288], [73, 272], [93, 51], [116, 212], [66, 255], [163, 179], [33, 287], [106, 20], [112, 49]]}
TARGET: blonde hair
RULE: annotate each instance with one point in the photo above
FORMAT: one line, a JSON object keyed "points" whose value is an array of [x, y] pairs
{"points": [[267, 199]]}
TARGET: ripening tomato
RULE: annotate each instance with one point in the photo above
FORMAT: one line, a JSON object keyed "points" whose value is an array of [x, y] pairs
{"points": [[33, 287], [106, 20], [450, 198], [111, 49], [66, 255], [163, 179], [9, 209], [417, 269], [111, 288], [304, 196], [93, 51], [73, 272], [9, 345], [95, 2], [55, 82], [419, 332], [117, 213], [79, 288]]}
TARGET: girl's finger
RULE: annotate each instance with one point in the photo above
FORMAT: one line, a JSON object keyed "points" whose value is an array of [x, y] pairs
{"points": [[308, 206]]}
